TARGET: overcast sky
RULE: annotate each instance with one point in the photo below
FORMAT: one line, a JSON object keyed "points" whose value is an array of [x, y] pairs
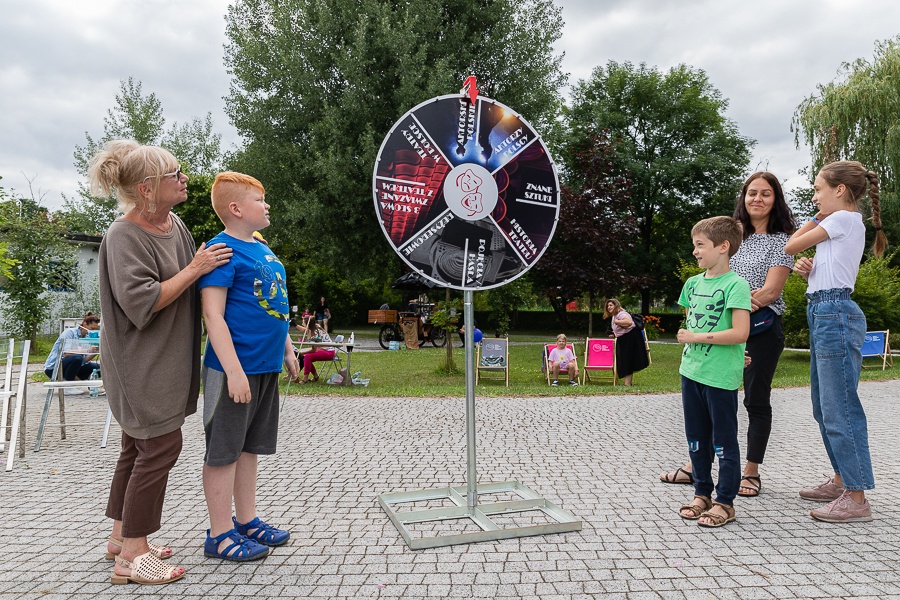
{"points": [[61, 63]]}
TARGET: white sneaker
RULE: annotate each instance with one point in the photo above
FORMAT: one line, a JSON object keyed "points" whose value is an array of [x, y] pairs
{"points": [[74, 392]]}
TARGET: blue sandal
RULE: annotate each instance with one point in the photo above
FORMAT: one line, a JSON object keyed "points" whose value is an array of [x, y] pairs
{"points": [[264, 533], [241, 549]]}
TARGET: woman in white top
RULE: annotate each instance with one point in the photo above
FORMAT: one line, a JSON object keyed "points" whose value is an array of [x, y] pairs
{"points": [[837, 330]]}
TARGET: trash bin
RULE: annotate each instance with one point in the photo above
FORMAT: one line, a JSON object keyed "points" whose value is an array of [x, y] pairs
{"points": [[410, 327]]}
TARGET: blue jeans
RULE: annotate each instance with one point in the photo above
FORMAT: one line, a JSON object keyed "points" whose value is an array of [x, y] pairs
{"points": [[711, 428], [837, 329]]}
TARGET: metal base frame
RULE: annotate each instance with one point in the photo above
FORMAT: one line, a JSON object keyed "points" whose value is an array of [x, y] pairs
{"points": [[465, 499], [480, 514]]}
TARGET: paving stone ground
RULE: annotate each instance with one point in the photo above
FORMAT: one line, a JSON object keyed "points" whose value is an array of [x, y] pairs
{"points": [[597, 457]]}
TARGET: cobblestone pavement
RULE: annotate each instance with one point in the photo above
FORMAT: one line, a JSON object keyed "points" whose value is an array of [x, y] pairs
{"points": [[597, 457]]}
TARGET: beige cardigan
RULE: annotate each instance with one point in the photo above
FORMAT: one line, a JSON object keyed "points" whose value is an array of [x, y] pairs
{"points": [[151, 361]]}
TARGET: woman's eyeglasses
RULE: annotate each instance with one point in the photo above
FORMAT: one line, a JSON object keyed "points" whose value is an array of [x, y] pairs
{"points": [[176, 174]]}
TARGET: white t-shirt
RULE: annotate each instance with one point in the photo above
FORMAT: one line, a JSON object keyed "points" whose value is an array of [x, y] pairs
{"points": [[837, 259]]}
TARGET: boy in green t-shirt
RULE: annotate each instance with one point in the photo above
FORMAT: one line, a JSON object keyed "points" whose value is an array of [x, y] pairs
{"points": [[717, 308]]}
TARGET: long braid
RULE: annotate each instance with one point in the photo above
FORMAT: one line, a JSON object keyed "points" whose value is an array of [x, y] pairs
{"points": [[881, 241]]}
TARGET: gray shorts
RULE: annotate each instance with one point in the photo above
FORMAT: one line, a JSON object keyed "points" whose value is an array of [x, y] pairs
{"points": [[232, 427]]}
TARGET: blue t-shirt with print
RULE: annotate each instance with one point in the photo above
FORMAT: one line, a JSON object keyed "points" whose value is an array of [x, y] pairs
{"points": [[256, 309]]}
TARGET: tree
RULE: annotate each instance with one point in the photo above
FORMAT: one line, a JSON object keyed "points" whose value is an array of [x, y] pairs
{"points": [[318, 84], [504, 301], [42, 260], [857, 117], [596, 229], [140, 117], [6, 263], [683, 156]]}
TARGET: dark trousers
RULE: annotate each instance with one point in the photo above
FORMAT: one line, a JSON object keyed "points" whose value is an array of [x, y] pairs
{"points": [[139, 483], [710, 426], [764, 349], [73, 367]]}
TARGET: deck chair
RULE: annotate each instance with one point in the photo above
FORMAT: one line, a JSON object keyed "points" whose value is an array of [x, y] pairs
{"points": [[599, 356], [18, 416], [492, 356], [878, 344], [647, 347], [548, 348]]}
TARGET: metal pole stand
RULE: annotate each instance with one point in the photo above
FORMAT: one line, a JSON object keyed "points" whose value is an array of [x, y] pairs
{"points": [[464, 509]]}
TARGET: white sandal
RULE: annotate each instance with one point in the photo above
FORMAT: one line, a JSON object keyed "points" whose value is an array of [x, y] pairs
{"points": [[146, 569], [160, 552]]}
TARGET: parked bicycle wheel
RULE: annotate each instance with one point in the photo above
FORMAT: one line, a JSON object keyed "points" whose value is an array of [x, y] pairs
{"points": [[438, 337], [389, 333]]}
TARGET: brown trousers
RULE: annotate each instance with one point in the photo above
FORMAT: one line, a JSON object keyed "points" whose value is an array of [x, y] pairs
{"points": [[139, 483]]}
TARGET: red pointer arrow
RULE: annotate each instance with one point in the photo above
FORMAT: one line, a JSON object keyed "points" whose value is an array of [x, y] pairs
{"points": [[469, 85]]}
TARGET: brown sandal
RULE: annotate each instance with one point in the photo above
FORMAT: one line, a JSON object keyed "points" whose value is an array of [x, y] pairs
{"points": [[696, 509], [160, 552], [675, 477], [146, 569], [718, 520], [753, 485]]}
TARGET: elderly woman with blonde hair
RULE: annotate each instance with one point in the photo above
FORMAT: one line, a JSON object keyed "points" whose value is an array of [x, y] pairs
{"points": [[149, 344]]}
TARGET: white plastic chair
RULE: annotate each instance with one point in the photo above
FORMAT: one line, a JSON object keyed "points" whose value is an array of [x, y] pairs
{"points": [[336, 363], [19, 393], [88, 346]]}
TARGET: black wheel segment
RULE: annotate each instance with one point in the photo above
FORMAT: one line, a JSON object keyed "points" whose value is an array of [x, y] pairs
{"points": [[438, 337], [389, 333]]}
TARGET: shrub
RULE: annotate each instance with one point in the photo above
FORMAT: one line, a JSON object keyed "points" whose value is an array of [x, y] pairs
{"points": [[652, 327], [877, 292], [799, 339]]}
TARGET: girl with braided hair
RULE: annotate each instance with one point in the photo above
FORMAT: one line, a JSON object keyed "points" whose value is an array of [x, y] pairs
{"points": [[837, 329]]}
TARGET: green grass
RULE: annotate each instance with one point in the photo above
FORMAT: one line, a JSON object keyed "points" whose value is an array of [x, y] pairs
{"points": [[415, 373]]}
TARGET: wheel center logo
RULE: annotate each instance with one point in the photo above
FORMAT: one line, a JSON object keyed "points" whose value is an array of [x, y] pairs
{"points": [[470, 192]]}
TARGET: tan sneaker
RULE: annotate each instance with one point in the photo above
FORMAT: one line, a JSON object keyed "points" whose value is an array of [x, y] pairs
{"points": [[843, 510], [824, 492]]}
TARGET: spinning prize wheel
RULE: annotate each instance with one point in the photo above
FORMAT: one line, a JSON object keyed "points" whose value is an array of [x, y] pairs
{"points": [[466, 192], [467, 196]]}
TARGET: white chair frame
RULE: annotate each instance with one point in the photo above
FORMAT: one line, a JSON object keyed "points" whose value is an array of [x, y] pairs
{"points": [[18, 419], [59, 386]]}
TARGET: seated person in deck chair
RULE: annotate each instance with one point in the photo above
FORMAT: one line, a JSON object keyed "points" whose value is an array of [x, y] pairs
{"points": [[562, 359]]}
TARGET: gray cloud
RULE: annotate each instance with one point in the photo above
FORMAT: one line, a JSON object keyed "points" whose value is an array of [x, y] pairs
{"points": [[62, 63], [61, 70], [764, 56]]}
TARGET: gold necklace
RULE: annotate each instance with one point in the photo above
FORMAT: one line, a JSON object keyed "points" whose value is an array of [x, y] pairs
{"points": [[157, 227]]}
